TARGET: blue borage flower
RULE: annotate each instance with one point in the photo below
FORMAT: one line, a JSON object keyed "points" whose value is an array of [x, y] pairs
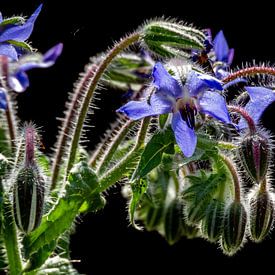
{"points": [[17, 79], [12, 33], [183, 101], [260, 99]]}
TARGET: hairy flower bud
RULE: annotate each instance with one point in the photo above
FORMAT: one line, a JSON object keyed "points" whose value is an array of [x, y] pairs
{"points": [[234, 227], [213, 221], [172, 222], [254, 153], [261, 215], [154, 217], [28, 198], [169, 39]]}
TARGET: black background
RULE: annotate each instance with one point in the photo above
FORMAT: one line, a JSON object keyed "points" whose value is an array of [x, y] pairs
{"points": [[104, 242]]}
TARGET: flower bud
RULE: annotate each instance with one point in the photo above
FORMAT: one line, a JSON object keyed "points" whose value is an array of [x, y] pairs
{"points": [[172, 39], [154, 217], [213, 221], [234, 228], [28, 198], [172, 222], [261, 215], [254, 153]]}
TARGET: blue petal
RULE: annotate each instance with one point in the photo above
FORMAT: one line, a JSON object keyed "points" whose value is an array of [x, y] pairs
{"points": [[3, 99], [1, 17], [140, 109], [213, 104], [234, 82], [230, 56], [221, 47], [52, 54], [185, 137], [8, 50], [260, 99], [165, 82], [19, 82], [197, 83], [21, 33]]}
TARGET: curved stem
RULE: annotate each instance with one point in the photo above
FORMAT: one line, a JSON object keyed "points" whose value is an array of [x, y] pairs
{"points": [[68, 122], [234, 175], [10, 239], [118, 171], [246, 116], [114, 145], [249, 72], [124, 43]]}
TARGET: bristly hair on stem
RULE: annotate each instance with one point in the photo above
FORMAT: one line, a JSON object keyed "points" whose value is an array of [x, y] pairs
{"points": [[68, 123]]}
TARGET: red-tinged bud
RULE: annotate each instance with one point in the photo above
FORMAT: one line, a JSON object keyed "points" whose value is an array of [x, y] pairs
{"points": [[254, 153]]}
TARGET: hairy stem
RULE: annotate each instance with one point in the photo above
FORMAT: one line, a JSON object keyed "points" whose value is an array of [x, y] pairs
{"points": [[246, 116], [234, 175], [68, 122], [11, 241], [123, 44], [250, 72], [118, 138], [118, 171]]}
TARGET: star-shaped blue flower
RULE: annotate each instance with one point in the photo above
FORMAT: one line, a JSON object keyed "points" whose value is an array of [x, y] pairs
{"points": [[183, 101], [260, 99], [17, 78], [12, 33]]}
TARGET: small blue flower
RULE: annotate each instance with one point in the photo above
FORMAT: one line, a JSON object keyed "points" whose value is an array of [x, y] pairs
{"points": [[15, 33], [3, 100], [183, 101], [260, 99], [18, 80], [223, 56]]}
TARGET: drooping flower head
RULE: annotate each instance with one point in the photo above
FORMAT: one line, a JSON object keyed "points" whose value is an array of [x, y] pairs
{"points": [[17, 79], [13, 34], [184, 100]]}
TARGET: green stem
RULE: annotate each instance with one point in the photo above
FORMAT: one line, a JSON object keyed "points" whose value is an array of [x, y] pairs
{"points": [[118, 171], [123, 44], [117, 139], [234, 175], [11, 241]]}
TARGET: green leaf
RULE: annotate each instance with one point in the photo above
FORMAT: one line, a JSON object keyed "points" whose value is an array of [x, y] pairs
{"points": [[4, 143], [138, 187], [56, 266], [161, 142], [39, 244], [202, 190]]}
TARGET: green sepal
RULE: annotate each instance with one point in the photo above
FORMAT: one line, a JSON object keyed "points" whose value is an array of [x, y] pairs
{"points": [[16, 20], [172, 39], [21, 44], [161, 142]]}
